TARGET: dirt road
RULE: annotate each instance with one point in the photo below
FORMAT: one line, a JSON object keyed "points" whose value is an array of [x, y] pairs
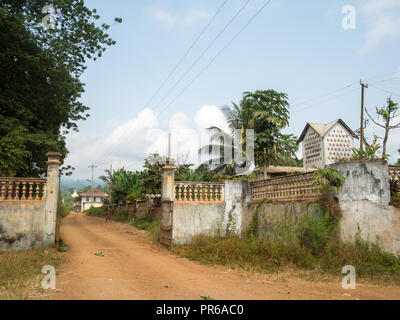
{"points": [[134, 268]]}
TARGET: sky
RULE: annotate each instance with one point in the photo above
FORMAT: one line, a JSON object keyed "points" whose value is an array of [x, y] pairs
{"points": [[312, 50]]}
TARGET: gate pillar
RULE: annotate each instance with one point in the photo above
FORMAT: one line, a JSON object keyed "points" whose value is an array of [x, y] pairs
{"points": [[167, 201]]}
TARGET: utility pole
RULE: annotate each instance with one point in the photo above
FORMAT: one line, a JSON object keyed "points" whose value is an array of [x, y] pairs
{"points": [[92, 167], [363, 86]]}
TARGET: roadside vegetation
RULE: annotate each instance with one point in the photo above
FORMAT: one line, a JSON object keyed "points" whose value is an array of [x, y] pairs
{"points": [[152, 226], [20, 272], [308, 245]]}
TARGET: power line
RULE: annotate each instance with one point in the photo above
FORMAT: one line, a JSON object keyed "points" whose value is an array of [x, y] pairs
{"points": [[384, 75], [216, 56], [186, 54], [333, 98], [324, 95], [203, 53], [384, 90]]}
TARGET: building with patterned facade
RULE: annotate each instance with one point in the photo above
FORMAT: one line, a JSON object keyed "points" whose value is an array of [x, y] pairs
{"points": [[324, 144]]}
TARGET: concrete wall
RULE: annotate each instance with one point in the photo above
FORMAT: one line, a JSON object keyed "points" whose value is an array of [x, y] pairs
{"points": [[270, 213], [22, 225], [193, 218], [364, 202]]}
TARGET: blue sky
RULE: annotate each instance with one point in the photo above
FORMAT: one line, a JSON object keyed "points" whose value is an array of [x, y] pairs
{"points": [[296, 47]]}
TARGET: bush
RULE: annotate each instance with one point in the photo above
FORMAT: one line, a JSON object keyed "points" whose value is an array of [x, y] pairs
{"points": [[309, 244], [97, 212], [315, 232], [150, 225], [63, 210]]}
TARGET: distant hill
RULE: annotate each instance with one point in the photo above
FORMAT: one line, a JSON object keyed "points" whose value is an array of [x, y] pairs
{"points": [[70, 183]]}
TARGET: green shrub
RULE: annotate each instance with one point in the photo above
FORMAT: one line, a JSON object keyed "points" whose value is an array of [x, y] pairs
{"points": [[121, 215], [63, 210], [328, 178], [309, 244], [314, 232], [150, 225], [97, 212]]}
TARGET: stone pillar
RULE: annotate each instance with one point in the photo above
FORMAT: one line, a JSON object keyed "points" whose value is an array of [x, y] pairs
{"points": [[167, 201], [52, 189]]}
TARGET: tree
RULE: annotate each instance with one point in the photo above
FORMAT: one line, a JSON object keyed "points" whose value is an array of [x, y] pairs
{"points": [[151, 175], [122, 183], [13, 155], [398, 160], [40, 85], [267, 113], [388, 113], [184, 172]]}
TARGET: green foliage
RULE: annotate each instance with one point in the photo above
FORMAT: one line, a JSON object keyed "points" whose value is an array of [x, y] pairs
{"points": [[369, 152], [398, 160], [13, 153], [309, 245], [63, 210], [395, 191], [184, 172], [150, 225], [121, 215], [329, 178], [97, 212], [267, 113], [44, 65], [123, 183], [253, 228], [315, 232], [151, 175], [67, 198], [126, 185]]}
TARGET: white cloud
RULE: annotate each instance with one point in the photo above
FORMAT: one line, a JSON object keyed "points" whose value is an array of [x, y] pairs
{"points": [[170, 20], [128, 144], [195, 16], [167, 19], [383, 23]]}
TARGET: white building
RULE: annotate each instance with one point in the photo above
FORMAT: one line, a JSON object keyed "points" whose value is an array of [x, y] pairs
{"points": [[324, 144], [92, 198]]}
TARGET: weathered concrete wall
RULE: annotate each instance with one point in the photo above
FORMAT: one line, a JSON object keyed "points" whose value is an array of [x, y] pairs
{"points": [[191, 219], [364, 203], [22, 225], [237, 196], [365, 181], [270, 213]]}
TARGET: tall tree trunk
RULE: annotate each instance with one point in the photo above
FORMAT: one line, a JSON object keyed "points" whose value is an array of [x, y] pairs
{"points": [[385, 139]]}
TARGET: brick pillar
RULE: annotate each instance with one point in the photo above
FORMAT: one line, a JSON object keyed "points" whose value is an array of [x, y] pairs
{"points": [[167, 201], [52, 189]]}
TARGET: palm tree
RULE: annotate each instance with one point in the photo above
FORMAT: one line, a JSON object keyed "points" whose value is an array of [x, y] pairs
{"points": [[266, 112]]}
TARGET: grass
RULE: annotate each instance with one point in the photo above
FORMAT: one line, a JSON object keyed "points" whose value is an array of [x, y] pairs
{"points": [[270, 256], [20, 272], [150, 225], [310, 246]]}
